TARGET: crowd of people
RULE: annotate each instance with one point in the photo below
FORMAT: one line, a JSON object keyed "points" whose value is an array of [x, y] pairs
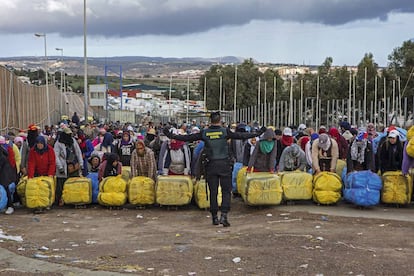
{"points": [[196, 149]]}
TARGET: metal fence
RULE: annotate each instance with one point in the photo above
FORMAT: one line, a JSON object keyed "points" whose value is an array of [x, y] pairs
{"points": [[22, 104]]}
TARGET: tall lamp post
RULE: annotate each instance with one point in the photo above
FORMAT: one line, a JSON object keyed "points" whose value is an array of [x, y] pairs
{"points": [[47, 77], [85, 61], [61, 82]]}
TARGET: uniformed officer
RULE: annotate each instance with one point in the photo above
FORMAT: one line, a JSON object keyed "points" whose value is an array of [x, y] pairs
{"points": [[218, 167]]}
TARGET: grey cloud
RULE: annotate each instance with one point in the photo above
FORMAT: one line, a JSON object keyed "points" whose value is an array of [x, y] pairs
{"points": [[123, 18]]}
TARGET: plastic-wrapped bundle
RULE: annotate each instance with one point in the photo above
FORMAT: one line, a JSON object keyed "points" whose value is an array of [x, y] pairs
{"points": [[174, 190], [77, 190], [397, 188], [362, 188], [297, 185], [40, 192], [262, 188], [112, 191], [327, 188], [141, 191]]}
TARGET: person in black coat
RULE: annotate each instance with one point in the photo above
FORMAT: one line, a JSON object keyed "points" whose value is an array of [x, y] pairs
{"points": [[391, 153], [6, 177]]}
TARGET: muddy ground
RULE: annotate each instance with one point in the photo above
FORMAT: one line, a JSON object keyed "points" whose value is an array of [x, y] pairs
{"points": [[260, 241]]}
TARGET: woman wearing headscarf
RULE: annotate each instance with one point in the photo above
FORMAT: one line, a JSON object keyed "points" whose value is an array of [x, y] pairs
{"points": [[175, 159], [86, 148], [68, 161], [125, 148], [324, 154], [42, 159], [293, 158], [249, 149], [143, 161], [110, 166], [263, 158], [6, 175], [360, 155], [391, 153], [341, 141]]}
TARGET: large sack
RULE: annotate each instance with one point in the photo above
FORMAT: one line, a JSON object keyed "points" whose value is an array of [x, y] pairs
{"points": [[3, 197], [397, 188], [141, 191], [362, 188], [327, 188], [112, 191], [241, 180], [236, 168], [40, 192], [21, 189], [296, 185], [174, 190], [202, 194], [77, 191], [95, 186], [262, 188]]}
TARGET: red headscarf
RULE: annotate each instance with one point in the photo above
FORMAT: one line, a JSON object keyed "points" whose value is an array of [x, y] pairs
{"points": [[334, 133], [287, 140], [175, 144]]}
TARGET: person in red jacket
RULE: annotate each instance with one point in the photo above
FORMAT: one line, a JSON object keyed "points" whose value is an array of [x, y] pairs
{"points": [[42, 159]]}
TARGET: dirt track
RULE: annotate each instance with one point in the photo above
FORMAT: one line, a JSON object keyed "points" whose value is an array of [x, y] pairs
{"points": [[261, 241]]}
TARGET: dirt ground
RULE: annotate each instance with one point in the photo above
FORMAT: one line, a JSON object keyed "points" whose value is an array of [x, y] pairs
{"points": [[260, 241]]}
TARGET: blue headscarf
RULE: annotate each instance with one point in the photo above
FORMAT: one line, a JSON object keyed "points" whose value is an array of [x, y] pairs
{"points": [[41, 139]]}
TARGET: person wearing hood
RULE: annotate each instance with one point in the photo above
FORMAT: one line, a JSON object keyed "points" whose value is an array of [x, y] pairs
{"points": [[293, 158], [341, 141], [86, 148], [93, 163], [324, 154], [175, 159], [360, 155], [249, 149], [42, 159], [6, 176], [150, 136], [125, 148], [69, 161], [110, 166], [263, 158], [391, 153], [143, 161]]}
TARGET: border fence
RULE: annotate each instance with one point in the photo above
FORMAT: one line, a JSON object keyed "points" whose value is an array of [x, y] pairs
{"points": [[22, 104]]}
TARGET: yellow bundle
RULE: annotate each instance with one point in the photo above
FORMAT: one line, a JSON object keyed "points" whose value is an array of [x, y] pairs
{"points": [[297, 185], [397, 188], [202, 194], [40, 192], [174, 190], [77, 190], [141, 191], [262, 188], [327, 188], [112, 191]]}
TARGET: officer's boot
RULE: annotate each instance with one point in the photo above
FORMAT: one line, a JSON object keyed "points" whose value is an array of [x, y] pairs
{"points": [[223, 220], [215, 218]]}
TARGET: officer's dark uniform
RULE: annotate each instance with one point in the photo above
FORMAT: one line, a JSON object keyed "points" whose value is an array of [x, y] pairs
{"points": [[218, 167]]}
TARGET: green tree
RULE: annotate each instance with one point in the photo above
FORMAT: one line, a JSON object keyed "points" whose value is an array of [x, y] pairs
{"points": [[402, 65]]}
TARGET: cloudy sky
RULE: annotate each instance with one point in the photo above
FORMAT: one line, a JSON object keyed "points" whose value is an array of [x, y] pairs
{"points": [[280, 31]]}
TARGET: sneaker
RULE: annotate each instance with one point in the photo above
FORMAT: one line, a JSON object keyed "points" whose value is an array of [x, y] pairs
{"points": [[9, 211]]}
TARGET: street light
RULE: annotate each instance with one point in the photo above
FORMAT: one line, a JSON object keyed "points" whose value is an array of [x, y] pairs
{"points": [[85, 62], [47, 78], [61, 82]]}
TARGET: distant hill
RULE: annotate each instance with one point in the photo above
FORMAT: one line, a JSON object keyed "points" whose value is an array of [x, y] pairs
{"points": [[132, 66]]}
